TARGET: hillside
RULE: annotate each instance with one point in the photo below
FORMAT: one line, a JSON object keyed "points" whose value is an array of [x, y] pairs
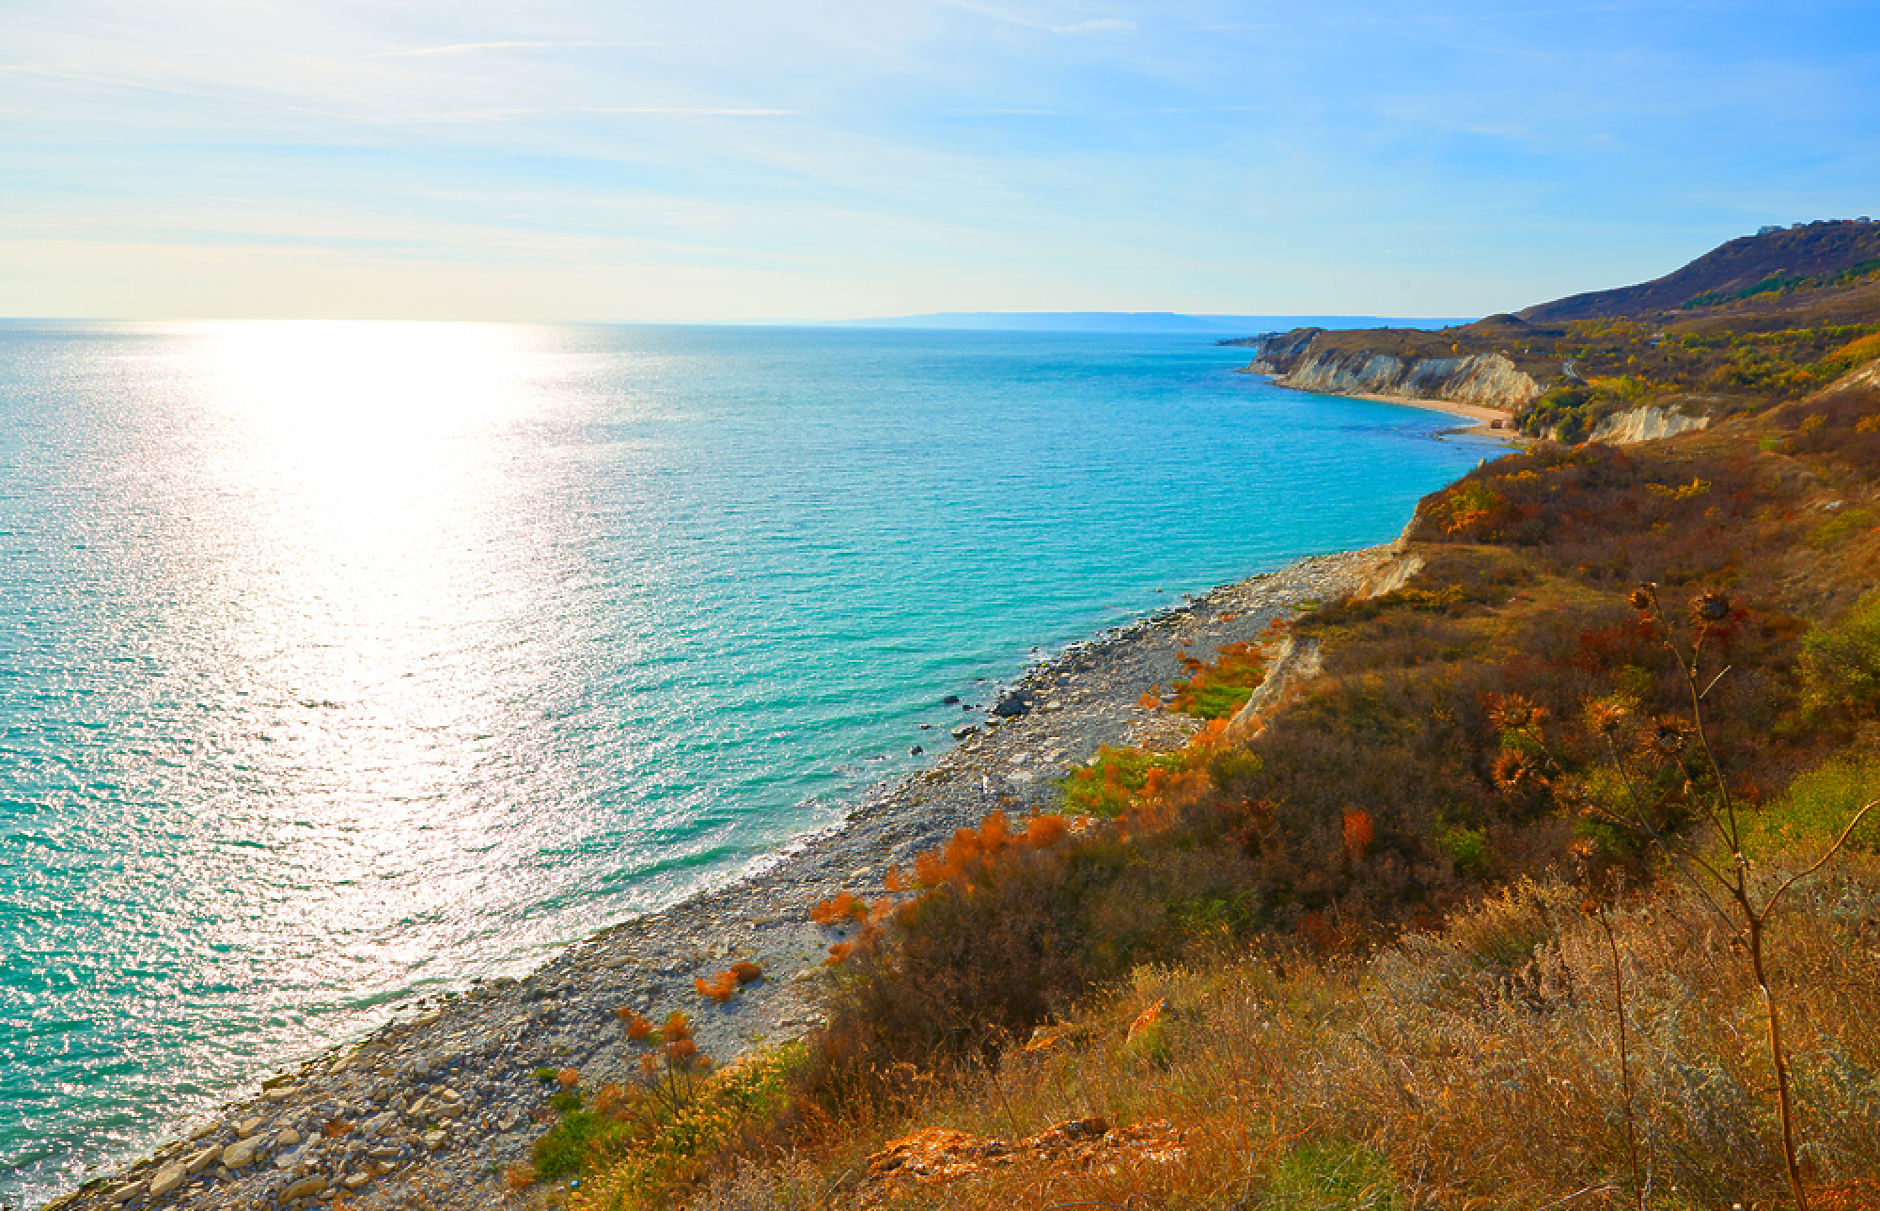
{"points": [[1817, 260], [1761, 320], [1528, 876]]}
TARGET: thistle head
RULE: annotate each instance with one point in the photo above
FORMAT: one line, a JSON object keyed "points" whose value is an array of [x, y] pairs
{"points": [[1512, 712], [1516, 770], [1609, 718], [1711, 607], [1641, 598], [1666, 737]]}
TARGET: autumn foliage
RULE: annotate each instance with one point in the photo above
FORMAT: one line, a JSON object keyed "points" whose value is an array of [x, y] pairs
{"points": [[969, 848], [844, 905], [1216, 689]]}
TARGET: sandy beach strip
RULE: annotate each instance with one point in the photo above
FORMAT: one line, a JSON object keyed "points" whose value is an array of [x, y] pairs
{"points": [[1488, 422], [430, 1109]]}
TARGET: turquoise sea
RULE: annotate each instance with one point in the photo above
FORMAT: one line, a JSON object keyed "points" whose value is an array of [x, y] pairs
{"points": [[343, 662]]}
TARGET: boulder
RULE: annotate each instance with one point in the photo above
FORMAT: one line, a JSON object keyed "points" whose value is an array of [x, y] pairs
{"points": [[1013, 704], [168, 1178], [306, 1187]]}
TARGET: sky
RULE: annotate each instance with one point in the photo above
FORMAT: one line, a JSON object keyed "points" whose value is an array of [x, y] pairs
{"points": [[720, 161]]}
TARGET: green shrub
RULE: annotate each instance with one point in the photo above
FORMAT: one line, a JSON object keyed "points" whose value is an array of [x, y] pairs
{"points": [[1818, 805], [1468, 849], [568, 1144], [1336, 1175], [1107, 788], [1843, 525], [1218, 690], [1841, 663]]}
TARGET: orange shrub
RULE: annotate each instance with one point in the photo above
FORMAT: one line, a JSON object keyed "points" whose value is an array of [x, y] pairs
{"points": [[843, 904], [968, 846], [719, 988], [638, 1028], [1042, 832], [611, 1098], [1358, 833]]}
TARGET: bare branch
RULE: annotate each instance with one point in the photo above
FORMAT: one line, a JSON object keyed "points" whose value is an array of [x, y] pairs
{"points": [[1839, 841]]}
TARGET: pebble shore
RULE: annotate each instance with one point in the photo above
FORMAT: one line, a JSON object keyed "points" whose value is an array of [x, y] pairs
{"points": [[429, 1110]]}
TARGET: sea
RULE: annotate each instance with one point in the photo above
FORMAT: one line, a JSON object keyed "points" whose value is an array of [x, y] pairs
{"points": [[345, 663]]}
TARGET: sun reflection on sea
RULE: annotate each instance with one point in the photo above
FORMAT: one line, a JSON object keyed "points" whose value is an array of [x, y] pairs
{"points": [[349, 566]]}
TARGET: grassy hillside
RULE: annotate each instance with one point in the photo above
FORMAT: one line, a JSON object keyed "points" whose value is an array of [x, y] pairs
{"points": [[1818, 259], [1496, 912], [1762, 320]]}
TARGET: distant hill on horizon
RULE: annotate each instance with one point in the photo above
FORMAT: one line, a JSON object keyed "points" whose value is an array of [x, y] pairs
{"points": [[1134, 321]]}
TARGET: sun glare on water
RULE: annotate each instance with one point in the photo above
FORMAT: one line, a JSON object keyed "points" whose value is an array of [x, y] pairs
{"points": [[349, 569]]}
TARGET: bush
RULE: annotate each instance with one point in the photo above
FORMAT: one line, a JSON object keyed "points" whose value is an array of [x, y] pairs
{"points": [[1336, 1175], [1841, 662], [1217, 690], [1817, 806], [1843, 525]]}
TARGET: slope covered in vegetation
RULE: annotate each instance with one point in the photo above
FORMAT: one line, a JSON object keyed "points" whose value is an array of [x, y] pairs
{"points": [[1552, 889], [1818, 257], [1762, 320]]}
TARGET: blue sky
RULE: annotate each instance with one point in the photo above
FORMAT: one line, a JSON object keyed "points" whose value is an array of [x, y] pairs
{"points": [[612, 160]]}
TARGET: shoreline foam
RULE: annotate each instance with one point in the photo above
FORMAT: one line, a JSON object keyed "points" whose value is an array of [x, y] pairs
{"points": [[436, 1105]]}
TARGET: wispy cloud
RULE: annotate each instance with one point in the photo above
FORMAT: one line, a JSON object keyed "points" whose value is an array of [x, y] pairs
{"points": [[461, 48], [1102, 25], [168, 90], [22, 69], [513, 114], [1095, 26]]}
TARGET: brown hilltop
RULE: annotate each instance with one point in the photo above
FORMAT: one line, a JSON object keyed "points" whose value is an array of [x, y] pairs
{"points": [[1792, 265]]}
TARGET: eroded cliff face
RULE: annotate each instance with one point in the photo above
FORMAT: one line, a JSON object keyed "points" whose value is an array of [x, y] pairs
{"points": [[1644, 425], [1485, 379]]}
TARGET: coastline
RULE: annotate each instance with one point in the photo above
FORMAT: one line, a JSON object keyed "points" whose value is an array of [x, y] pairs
{"points": [[1487, 422], [432, 1107]]}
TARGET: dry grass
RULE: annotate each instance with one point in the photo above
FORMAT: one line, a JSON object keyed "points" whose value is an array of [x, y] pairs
{"points": [[1514, 1051], [1478, 1067]]}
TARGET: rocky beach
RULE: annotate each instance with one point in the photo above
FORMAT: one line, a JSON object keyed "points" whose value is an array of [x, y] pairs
{"points": [[430, 1109]]}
